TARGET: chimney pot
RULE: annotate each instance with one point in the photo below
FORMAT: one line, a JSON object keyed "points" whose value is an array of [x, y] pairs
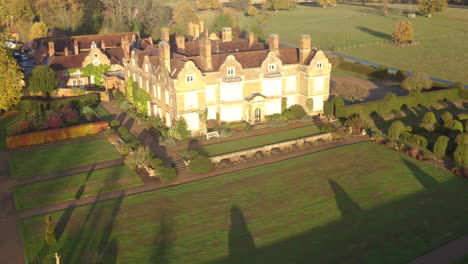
{"points": [[51, 48], [273, 42], [66, 51], [251, 39], [226, 34], [76, 47], [165, 54], [165, 35], [304, 48], [205, 53]]}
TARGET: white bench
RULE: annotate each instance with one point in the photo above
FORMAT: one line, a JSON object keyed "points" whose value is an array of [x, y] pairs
{"points": [[212, 134]]}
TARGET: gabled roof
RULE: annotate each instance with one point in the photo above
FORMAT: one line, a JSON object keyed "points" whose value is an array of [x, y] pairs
{"points": [[61, 63]]}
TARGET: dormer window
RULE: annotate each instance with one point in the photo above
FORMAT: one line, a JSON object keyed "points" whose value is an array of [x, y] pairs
{"points": [[231, 71], [190, 78], [272, 67], [319, 65], [96, 62]]}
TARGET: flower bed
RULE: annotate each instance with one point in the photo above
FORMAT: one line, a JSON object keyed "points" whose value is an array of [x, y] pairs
{"points": [[56, 134]]}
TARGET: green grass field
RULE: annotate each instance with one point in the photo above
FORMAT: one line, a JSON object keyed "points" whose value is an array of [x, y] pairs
{"points": [[361, 203], [443, 38], [74, 186], [30, 163], [257, 141]]}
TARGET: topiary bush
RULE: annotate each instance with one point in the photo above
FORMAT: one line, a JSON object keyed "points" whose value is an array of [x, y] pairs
{"points": [[462, 139], [440, 146], [400, 76], [326, 128], [192, 154], [429, 117], [156, 163], [200, 165], [295, 112], [446, 116], [396, 129], [460, 155], [455, 125], [166, 174], [115, 123], [123, 131]]}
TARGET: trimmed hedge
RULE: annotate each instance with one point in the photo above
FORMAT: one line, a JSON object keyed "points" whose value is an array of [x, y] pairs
{"points": [[356, 67], [238, 126], [37, 106], [200, 165], [56, 134], [386, 106]]}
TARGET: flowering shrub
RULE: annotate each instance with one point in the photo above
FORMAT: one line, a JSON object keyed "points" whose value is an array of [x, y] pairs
{"points": [[70, 115], [55, 121]]}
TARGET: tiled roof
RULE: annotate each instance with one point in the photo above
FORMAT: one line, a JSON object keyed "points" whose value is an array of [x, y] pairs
{"points": [[84, 42], [61, 63]]}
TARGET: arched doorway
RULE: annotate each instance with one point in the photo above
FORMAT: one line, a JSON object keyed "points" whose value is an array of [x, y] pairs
{"points": [[258, 115]]}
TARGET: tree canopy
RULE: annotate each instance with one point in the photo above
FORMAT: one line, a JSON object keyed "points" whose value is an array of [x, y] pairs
{"points": [[42, 80], [403, 32], [38, 30], [11, 79]]}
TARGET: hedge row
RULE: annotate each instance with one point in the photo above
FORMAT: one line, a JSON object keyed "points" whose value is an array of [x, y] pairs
{"points": [[56, 134], [356, 67], [37, 106], [386, 106]]}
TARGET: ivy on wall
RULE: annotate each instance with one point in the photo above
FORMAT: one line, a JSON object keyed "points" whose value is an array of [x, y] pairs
{"points": [[96, 71], [137, 96]]}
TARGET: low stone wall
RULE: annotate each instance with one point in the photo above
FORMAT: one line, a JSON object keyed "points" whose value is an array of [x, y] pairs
{"points": [[56, 134], [70, 92], [271, 149]]}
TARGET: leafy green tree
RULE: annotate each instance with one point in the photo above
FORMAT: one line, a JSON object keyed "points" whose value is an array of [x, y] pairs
{"points": [[42, 80], [222, 20], [252, 11], [432, 6], [415, 83], [403, 32], [184, 13], [97, 72], [256, 27], [278, 4], [440, 146], [129, 87], [39, 30], [396, 129], [141, 99], [11, 79], [241, 5]]}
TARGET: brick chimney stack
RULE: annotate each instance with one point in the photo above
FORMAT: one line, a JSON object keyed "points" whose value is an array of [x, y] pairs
{"points": [[251, 39], [190, 29], [273, 42], [201, 26], [165, 35], [165, 55], [196, 30], [226, 34], [205, 53], [180, 42], [76, 47], [66, 51], [103, 45], [150, 40], [51, 48], [304, 48]]}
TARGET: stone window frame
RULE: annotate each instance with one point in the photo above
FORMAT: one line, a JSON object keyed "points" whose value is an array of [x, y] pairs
{"points": [[231, 71], [319, 65]]}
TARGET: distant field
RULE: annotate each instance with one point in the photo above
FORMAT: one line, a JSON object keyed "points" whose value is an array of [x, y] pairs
{"points": [[30, 163], [75, 186], [343, 26], [359, 204]]}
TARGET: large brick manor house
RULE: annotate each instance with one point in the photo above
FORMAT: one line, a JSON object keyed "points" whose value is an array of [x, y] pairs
{"points": [[232, 79]]}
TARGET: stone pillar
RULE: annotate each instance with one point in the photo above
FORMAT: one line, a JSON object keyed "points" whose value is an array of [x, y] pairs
{"points": [[226, 34], [165, 35]]}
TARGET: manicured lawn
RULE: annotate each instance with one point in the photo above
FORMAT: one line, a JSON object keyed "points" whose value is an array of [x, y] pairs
{"points": [[439, 54], [361, 203], [257, 141], [75, 186], [103, 113], [30, 163], [5, 122]]}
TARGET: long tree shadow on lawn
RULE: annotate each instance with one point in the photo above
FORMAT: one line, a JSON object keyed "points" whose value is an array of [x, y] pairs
{"points": [[361, 236], [240, 241], [162, 241], [374, 33]]}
